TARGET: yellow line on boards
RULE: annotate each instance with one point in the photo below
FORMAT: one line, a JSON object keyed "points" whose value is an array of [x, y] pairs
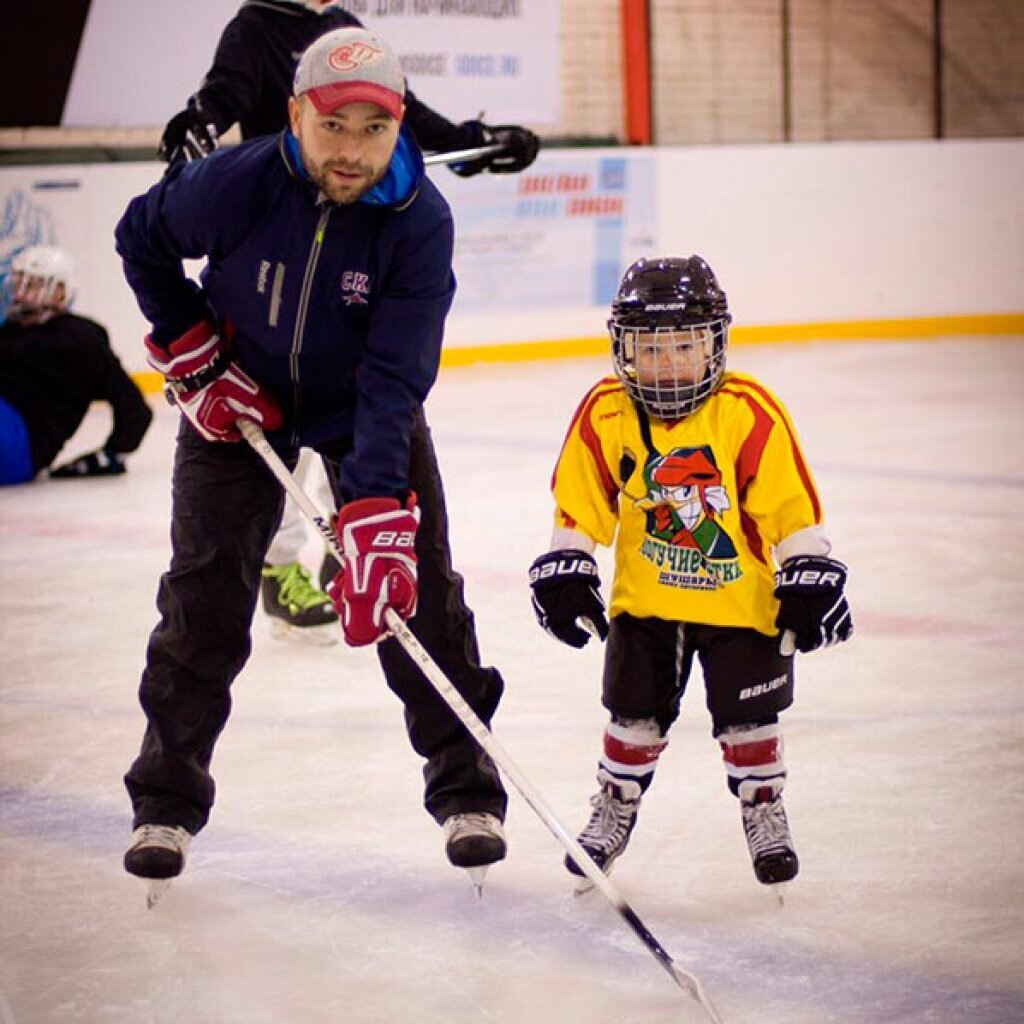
{"points": [[875, 330], [845, 330]]}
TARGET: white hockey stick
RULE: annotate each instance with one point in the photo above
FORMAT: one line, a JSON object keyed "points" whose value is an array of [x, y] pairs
{"points": [[458, 156], [688, 982]]}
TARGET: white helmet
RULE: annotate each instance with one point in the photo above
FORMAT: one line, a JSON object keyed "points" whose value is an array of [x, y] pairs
{"points": [[42, 284], [320, 6]]}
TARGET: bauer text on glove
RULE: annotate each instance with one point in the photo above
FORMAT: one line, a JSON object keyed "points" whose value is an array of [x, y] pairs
{"points": [[211, 390], [567, 596], [378, 537], [812, 604]]}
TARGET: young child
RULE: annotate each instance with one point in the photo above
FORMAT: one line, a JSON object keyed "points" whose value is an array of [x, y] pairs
{"points": [[701, 474]]}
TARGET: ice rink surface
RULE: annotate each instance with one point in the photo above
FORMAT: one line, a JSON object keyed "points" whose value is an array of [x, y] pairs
{"points": [[320, 893]]}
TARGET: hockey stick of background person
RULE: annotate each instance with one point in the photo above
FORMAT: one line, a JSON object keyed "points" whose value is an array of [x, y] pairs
{"points": [[459, 156], [688, 982]]}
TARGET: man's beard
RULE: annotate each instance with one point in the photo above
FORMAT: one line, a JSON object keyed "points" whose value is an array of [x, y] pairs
{"points": [[338, 192]]}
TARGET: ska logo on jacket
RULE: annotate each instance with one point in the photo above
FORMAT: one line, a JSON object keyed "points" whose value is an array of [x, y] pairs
{"points": [[355, 286], [683, 503]]}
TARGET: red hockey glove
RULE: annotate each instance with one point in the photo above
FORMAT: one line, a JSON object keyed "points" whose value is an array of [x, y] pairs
{"points": [[378, 536], [210, 389]]}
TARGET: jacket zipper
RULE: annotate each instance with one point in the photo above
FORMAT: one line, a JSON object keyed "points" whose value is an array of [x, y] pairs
{"points": [[300, 318]]}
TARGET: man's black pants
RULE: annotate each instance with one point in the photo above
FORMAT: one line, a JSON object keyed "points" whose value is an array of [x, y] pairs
{"points": [[226, 508]]}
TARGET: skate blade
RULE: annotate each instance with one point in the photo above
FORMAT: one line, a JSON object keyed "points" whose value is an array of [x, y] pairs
{"points": [[780, 889], [315, 636], [582, 886], [477, 876], [155, 890]]}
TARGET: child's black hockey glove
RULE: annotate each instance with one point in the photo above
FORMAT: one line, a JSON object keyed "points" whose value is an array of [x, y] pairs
{"points": [[811, 602], [567, 596]]}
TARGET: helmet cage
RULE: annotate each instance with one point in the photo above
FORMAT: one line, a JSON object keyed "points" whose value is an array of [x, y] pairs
{"points": [[670, 369]]}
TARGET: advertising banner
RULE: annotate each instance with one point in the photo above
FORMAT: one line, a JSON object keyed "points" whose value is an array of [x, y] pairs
{"points": [[139, 61], [558, 235], [497, 60]]}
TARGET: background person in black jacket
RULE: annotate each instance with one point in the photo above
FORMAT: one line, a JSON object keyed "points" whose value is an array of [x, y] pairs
{"points": [[250, 81], [248, 84], [53, 365]]}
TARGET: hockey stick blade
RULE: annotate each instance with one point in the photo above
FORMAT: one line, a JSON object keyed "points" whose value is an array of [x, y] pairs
{"points": [[687, 982]]}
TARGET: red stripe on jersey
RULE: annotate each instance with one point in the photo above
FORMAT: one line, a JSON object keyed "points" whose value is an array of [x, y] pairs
{"points": [[751, 755], [565, 520], [632, 753], [798, 459], [608, 384], [752, 449], [582, 422], [748, 462], [753, 535]]}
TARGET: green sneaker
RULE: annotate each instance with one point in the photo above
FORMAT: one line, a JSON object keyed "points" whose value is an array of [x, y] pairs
{"points": [[296, 606]]}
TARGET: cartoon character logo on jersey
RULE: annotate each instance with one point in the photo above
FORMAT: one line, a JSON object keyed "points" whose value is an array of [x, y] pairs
{"points": [[683, 505]]}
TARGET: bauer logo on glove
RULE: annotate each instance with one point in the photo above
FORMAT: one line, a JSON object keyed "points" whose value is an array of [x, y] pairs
{"points": [[379, 573], [567, 596], [812, 604]]}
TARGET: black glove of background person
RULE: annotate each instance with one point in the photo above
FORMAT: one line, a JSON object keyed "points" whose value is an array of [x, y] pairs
{"points": [[566, 588], [98, 463], [811, 602], [188, 136], [521, 148]]}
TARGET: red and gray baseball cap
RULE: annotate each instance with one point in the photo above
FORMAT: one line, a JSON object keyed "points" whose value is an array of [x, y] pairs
{"points": [[351, 65]]}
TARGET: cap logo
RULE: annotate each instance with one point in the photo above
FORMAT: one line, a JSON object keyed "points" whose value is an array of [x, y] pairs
{"points": [[352, 56]]}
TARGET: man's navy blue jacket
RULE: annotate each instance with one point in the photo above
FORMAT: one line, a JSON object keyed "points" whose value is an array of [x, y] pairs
{"points": [[337, 310]]}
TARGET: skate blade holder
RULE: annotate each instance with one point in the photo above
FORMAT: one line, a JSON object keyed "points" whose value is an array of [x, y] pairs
{"points": [[156, 888], [477, 876]]}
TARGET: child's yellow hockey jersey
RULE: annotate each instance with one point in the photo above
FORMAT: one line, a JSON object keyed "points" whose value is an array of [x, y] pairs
{"points": [[699, 504]]}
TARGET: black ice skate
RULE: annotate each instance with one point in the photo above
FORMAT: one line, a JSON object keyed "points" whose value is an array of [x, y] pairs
{"points": [[157, 855], [771, 846], [297, 608], [474, 840], [606, 835]]}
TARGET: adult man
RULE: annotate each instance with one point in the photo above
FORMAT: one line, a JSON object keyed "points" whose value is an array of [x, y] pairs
{"points": [[321, 318], [53, 366], [249, 83]]}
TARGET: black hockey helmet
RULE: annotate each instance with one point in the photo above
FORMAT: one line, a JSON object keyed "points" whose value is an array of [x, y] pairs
{"points": [[670, 302]]}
